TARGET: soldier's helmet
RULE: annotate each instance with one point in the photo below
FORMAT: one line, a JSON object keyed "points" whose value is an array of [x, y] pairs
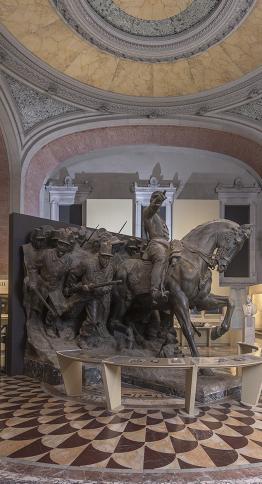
{"points": [[73, 232], [131, 245], [37, 234], [64, 236], [106, 248], [47, 231]]}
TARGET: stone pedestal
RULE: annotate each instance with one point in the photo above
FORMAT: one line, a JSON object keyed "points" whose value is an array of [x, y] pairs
{"points": [[235, 335], [249, 330], [238, 295], [209, 388]]}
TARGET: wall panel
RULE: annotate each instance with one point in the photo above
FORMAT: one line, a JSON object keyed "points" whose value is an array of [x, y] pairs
{"points": [[110, 214]]}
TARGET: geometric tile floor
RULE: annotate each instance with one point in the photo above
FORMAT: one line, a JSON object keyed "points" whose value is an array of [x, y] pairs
{"points": [[37, 427]]}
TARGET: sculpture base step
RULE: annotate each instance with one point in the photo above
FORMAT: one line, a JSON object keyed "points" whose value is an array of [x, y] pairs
{"points": [[172, 383]]}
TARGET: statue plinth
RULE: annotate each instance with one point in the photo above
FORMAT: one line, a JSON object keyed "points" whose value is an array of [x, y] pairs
{"points": [[249, 330], [249, 310]]}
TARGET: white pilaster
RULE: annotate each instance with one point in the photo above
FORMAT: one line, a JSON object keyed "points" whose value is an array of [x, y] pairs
{"points": [[60, 195]]}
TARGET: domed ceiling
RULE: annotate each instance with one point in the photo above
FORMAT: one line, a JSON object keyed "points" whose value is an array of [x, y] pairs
{"points": [[153, 9], [148, 48]]}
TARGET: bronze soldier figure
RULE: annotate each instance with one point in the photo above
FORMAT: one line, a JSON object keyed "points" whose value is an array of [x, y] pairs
{"points": [[55, 264], [99, 270], [82, 286], [33, 255]]}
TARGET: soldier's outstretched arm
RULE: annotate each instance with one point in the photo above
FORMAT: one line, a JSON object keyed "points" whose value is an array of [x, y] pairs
{"points": [[154, 206]]}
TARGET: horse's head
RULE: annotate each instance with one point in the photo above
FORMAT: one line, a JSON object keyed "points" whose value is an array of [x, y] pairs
{"points": [[230, 242]]}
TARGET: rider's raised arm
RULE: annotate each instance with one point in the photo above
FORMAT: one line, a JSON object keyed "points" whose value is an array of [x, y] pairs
{"points": [[150, 211], [156, 201]]}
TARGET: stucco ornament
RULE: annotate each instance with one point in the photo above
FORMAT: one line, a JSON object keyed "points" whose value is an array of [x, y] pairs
{"points": [[195, 27], [33, 106]]}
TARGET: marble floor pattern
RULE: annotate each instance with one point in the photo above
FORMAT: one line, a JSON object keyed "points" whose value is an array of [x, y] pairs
{"points": [[38, 427]]}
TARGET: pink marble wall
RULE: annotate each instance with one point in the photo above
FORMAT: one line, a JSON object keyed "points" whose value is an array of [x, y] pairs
{"points": [[4, 207], [61, 149]]}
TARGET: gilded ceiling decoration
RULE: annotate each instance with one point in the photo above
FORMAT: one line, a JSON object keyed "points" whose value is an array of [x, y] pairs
{"points": [[153, 9], [213, 47]]}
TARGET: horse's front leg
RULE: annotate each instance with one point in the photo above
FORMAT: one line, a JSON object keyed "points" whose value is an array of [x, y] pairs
{"points": [[212, 302], [180, 306]]}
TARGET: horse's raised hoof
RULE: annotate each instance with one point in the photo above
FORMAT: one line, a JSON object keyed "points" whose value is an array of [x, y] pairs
{"points": [[206, 372], [216, 333]]}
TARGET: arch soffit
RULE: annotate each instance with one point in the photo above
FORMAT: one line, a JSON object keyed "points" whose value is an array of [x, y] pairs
{"points": [[4, 154], [48, 154], [12, 142]]}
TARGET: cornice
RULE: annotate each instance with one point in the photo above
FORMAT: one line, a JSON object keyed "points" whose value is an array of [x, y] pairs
{"points": [[203, 24], [21, 64], [215, 123]]}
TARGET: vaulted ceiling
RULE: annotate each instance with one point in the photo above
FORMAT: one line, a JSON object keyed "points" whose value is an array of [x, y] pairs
{"points": [[68, 64], [76, 75], [150, 48]]}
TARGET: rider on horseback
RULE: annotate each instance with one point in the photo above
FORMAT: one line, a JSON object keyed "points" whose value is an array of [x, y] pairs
{"points": [[157, 250]]}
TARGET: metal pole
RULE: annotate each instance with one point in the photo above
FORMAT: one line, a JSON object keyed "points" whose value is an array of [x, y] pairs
{"points": [[119, 232]]}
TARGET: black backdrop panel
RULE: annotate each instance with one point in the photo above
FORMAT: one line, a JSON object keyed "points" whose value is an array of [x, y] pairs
{"points": [[20, 227], [71, 214], [239, 267]]}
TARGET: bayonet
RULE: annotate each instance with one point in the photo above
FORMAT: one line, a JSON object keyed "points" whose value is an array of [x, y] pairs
{"points": [[122, 227], [91, 235]]}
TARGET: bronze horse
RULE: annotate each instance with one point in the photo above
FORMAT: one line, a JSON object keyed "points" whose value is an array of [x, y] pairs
{"points": [[188, 276]]}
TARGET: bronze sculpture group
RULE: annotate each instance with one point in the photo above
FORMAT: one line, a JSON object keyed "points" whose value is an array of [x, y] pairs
{"points": [[113, 293]]}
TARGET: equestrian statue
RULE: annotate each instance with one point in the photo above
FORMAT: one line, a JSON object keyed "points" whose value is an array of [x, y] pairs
{"points": [[176, 276]]}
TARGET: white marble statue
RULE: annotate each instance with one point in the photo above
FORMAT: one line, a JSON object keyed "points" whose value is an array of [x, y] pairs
{"points": [[249, 310]]}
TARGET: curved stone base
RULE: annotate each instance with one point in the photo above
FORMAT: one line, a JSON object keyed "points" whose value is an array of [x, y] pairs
{"points": [[170, 384]]}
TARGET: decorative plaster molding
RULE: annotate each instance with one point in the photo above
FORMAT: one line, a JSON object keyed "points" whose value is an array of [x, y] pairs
{"points": [[214, 135], [20, 63], [203, 24], [251, 110], [247, 114], [237, 189], [13, 143], [183, 21], [33, 106], [48, 135]]}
